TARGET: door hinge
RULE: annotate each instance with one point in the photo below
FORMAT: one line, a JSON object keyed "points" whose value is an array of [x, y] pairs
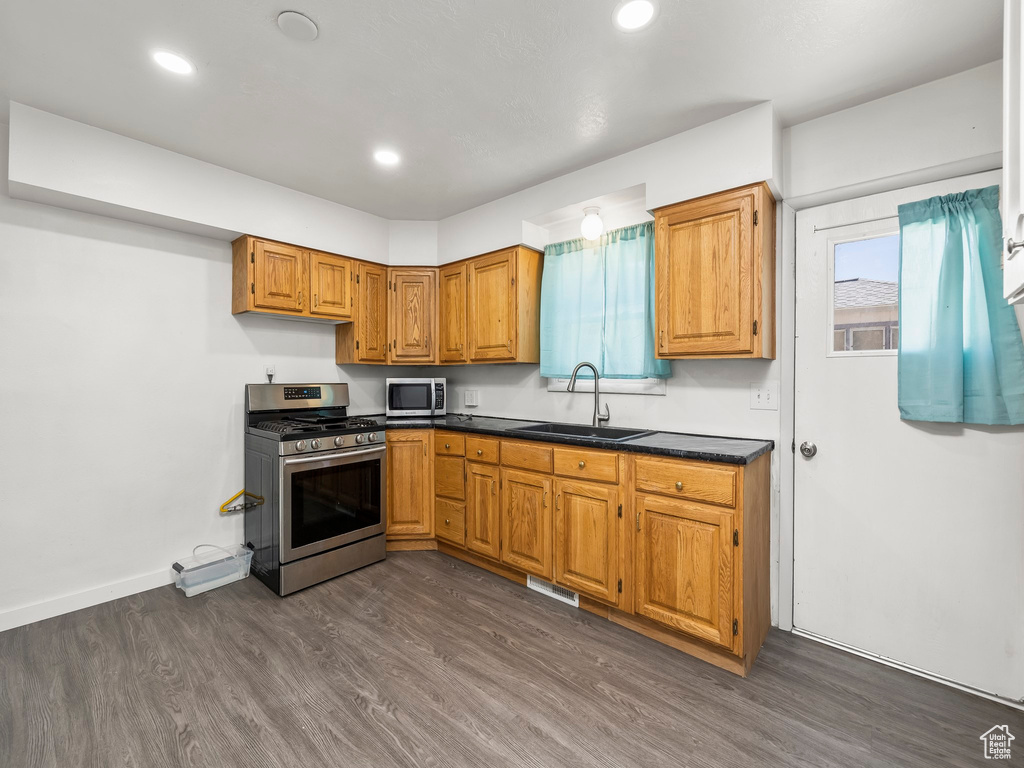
{"points": [[357, 343], [736, 537], [755, 218], [389, 285], [252, 257], [755, 327], [513, 281], [620, 515], [351, 301], [252, 288], [792, 447], [620, 586], [735, 626], [357, 278]]}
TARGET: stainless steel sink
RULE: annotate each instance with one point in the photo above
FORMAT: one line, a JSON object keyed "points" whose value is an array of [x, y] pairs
{"points": [[611, 434]]}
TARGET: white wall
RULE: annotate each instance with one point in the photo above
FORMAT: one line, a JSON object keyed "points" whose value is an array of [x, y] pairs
{"points": [[949, 127], [412, 243]]}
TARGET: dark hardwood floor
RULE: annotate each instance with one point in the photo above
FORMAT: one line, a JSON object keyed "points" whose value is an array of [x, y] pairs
{"points": [[424, 660]]}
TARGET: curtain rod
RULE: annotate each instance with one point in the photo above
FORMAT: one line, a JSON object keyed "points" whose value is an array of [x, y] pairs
{"points": [[852, 223]]}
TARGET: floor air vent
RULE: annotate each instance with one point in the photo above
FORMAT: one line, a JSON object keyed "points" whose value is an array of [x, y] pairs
{"points": [[553, 590]]}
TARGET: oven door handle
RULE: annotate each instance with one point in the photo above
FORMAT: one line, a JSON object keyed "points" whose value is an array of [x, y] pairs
{"points": [[331, 456]]}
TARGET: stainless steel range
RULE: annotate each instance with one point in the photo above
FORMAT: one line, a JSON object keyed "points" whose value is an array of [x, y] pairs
{"points": [[315, 482]]}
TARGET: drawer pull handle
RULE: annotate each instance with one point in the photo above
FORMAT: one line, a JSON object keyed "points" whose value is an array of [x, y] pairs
{"points": [[479, 452], [583, 464], [679, 486], [449, 445]]}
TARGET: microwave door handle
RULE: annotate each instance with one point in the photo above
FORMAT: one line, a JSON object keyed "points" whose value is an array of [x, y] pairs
{"points": [[330, 456]]}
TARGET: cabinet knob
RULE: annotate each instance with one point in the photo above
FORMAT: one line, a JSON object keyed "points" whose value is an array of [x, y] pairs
{"points": [[447, 446], [583, 464], [479, 452], [447, 521], [679, 486]]}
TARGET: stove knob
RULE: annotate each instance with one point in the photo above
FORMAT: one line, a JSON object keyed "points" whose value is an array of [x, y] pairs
{"points": [[373, 437], [360, 438], [315, 444], [339, 441], [300, 446]]}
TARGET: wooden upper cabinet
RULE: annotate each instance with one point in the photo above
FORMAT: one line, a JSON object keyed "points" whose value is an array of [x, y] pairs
{"points": [[587, 538], [715, 275], [503, 306], [482, 509], [526, 522], [331, 280], [279, 276], [410, 501], [412, 316], [452, 315], [684, 568], [365, 339]]}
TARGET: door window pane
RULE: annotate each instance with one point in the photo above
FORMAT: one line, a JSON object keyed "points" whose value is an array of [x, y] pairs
{"points": [[865, 295]]}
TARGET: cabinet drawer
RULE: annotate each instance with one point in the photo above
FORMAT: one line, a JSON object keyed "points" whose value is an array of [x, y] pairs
{"points": [[587, 464], [449, 444], [526, 456], [450, 521], [449, 477], [712, 483], [483, 449]]}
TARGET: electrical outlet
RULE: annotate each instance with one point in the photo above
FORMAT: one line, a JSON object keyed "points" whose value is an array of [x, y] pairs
{"points": [[764, 397], [271, 371], [471, 398]]}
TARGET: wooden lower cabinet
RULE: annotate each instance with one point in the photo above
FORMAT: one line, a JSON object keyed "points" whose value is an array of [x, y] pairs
{"points": [[410, 502], [587, 535], [684, 568], [450, 521], [482, 509], [526, 522]]}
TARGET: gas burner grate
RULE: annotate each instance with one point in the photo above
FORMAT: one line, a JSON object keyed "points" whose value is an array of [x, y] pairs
{"points": [[275, 426], [357, 422]]}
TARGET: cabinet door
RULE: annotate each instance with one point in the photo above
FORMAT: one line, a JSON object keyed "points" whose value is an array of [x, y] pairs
{"points": [[482, 529], [684, 567], [491, 323], [330, 283], [413, 313], [526, 522], [587, 538], [371, 321], [410, 485], [704, 264], [452, 317], [279, 276]]}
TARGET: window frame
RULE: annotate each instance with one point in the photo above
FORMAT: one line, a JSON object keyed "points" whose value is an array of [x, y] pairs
{"points": [[871, 231]]}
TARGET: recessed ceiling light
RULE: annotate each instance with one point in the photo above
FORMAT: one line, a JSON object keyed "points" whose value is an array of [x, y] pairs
{"points": [[174, 62], [633, 15], [298, 26], [386, 157]]}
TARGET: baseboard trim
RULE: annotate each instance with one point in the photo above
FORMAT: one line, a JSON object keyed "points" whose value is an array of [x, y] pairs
{"points": [[58, 606], [908, 668]]}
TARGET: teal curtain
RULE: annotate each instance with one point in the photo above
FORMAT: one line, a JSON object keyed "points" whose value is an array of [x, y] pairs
{"points": [[596, 304], [961, 358]]}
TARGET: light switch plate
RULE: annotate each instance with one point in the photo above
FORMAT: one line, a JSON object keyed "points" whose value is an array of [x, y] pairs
{"points": [[471, 398], [764, 396]]}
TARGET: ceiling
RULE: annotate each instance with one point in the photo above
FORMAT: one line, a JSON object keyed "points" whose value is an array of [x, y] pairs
{"points": [[480, 98]]}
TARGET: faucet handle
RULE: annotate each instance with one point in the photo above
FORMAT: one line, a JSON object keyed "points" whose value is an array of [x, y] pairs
{"points": [[606, 416]]}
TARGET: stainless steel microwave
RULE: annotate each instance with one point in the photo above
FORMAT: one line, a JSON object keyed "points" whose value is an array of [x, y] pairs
{"points": [[417, 397]]}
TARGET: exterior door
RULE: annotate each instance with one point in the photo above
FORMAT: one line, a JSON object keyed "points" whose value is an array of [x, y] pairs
{"points": [[280, 276], [526, 522], [331, 281], [587, 538], [412, 314], [704, 262], [492, 307], [906, 534], [410, 502], [452, 316], [372, 326], [684, 567], [482, 514]]}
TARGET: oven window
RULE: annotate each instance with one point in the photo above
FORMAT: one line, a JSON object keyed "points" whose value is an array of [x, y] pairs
{"points": [[409, 397], [334, 501]]}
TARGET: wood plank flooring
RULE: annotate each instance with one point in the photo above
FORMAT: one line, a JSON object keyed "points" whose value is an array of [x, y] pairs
{"points": [[423, 660]]}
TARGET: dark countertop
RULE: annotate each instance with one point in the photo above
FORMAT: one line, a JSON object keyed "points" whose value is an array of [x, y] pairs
{"points": [[727, 450]]}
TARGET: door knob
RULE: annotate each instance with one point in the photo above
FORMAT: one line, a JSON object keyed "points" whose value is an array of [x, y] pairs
{"points": [[808, 450]]}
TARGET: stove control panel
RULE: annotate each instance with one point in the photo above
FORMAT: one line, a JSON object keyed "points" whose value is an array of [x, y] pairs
{"points": [[302, 393]]}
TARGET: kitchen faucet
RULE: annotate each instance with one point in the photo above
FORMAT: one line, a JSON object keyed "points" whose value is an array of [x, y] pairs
{"points": [[598, 416]]}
